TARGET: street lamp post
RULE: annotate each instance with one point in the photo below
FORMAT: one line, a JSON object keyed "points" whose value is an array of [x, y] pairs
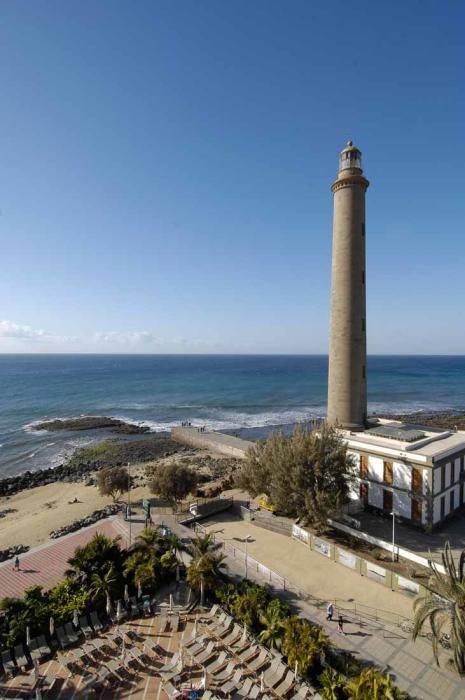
{"points": [[393, 535], [247, 539], [129, 502]]}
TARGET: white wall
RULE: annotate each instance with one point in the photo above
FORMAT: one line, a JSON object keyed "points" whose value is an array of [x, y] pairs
{"points": [[375, 468], [457, 469], [375, 495], [402, 475], [426, 481], [437, 509], [437, 479], [402, 504], [447, 475]]}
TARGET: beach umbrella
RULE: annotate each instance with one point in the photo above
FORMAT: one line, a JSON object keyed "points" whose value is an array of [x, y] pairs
{"points": [[119, 611], [194, 631], [139, 590], [36, 669], [171, 602], [28, 636], [109, 606], [51, 626], [38, 695], [296, 669], [262, 682], [126, 594], [181, 654], [75, 619], [204, 679], [123, 651], [244, 634]]}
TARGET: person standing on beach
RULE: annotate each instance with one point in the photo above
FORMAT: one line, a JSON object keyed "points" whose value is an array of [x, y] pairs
{"points": [[340, 625], [329, 612], [16, 563]]}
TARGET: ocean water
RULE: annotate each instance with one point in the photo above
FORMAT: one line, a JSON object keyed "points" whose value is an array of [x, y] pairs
{"points": [[223, 392]]}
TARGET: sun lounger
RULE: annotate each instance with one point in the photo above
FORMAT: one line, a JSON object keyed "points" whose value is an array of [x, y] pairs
{"points": [[233, 685], [38, 648], [8, 662], [226, 674], [274, 674], [163, 622], [85, 627], [216, 664], [174, 623], [248, 654], [249, 690], [212, 613], [259, 662], [20, 656], [206, 654], [62, 637], [284, 687], [95, 622], [233, 636], [167, 668], [170, 690], [218, 621], [70, 633]]}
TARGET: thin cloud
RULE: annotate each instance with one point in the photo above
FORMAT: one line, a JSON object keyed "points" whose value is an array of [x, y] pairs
{"points": [[18, 331]]}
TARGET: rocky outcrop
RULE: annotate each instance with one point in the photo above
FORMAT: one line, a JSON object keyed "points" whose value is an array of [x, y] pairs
{"points": [[89, 520], [11, 552], [91, 423], [42, 477]]}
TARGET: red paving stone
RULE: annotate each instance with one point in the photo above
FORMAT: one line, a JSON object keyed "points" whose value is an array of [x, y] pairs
{"points": [[45, 565]]}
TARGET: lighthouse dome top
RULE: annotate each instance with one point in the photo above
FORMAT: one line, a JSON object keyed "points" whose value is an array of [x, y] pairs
{"points": [[350, 157]]}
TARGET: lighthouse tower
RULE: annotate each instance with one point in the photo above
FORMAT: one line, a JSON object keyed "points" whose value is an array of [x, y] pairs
{"points": [[347, 386]]}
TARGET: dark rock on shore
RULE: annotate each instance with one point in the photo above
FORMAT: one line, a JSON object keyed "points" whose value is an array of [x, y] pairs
{"points": [[89, 520], [92, 423], [449, 421], [90, 459], [11, 552]]}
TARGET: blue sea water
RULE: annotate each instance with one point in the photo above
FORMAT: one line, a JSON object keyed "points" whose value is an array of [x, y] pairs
{"points": [[222, 392]]}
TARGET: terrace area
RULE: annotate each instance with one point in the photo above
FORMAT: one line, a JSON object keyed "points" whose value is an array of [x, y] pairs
{"points": [[173, 653]]}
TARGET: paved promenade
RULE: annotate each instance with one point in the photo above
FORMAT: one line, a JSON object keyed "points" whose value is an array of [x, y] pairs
{"points": [[45, 565], [411, 664]]}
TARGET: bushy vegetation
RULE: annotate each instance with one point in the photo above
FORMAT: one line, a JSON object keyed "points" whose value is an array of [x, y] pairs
{"points": [[172, 482], [99, 571], [338, 675], [305, 475], [113, 481]]}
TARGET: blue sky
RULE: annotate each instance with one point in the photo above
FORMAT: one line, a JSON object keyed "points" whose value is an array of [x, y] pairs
{"points": [[165, 171]]}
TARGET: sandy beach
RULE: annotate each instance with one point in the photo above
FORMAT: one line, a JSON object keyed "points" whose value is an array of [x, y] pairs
{"points": [[45, 508]]}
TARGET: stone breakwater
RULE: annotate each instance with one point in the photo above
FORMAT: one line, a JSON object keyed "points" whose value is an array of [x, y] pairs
{"points": [[11, 552], [29, 480], [88, 520]]}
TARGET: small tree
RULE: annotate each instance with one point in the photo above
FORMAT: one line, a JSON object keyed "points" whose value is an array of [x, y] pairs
{"points": [[113, 481], [172, 482]]}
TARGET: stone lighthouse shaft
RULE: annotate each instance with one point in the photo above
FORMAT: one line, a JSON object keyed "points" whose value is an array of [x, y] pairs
{"points": [[347, 385]]}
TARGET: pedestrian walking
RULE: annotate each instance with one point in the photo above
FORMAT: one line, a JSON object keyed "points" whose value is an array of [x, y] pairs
{"points": [[329, 612], [16, 563], [340, 625]]}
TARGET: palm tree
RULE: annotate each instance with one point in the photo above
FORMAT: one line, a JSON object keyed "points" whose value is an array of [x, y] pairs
{"points": [[104, 584], [373, 685], [205, 567], [273, 619], [444, 610], [142, 566], [100, 552], [149, 539], [304, 643], [332, 685], [174, 543]]}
